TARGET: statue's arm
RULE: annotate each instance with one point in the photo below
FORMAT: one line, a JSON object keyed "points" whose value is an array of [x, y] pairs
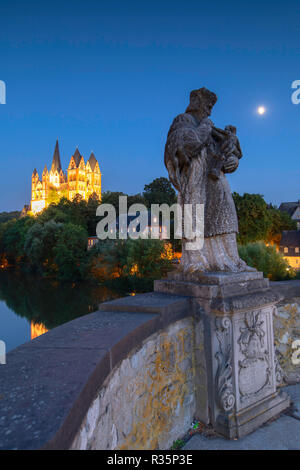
{"points": [[194, 138], [185, 142]]}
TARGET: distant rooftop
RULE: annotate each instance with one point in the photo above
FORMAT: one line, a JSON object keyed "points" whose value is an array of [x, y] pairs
{"points": [[290, 238], [289, 207]]}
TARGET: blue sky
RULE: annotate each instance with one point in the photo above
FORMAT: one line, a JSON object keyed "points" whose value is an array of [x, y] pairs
{"points": [[111, 76]]}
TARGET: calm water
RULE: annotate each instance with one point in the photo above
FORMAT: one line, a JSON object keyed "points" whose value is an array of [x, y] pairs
{"points": [[31, 306]]}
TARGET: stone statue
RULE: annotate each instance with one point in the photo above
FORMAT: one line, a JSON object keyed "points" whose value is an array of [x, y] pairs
{"points": [[197, 156]]}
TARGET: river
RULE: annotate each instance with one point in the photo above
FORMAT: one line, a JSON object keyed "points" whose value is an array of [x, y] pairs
{"points": [[30, 306]]}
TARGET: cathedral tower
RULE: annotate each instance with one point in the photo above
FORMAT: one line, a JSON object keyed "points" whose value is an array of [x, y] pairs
{"points": [[83, 179]]}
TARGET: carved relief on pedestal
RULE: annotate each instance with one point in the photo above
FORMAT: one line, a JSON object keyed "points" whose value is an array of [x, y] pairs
{"points": [[255, 368], [224, 383]]}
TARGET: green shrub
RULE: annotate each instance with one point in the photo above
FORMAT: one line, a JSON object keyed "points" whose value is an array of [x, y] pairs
{"points": [[266, 259]]}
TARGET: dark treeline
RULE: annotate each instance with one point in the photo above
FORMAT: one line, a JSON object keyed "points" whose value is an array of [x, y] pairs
{"points": [[54, 242], [44, 302]]}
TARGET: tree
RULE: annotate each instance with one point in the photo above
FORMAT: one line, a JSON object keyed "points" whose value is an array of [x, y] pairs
{"points": [[39, 246], [6, 216], [57, 249], [254, 218], [12, 238], [112, 197], [260, 221], [70, 253], [78, 212], [149, 258], [112, 257], [280, 221], [91, 218], [136, 199], [130, 258], [160, 191]]}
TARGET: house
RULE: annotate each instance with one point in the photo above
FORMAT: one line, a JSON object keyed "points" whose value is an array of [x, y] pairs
{"points": [[92, 241], [293, 209], [290, 247], [154, 228]]}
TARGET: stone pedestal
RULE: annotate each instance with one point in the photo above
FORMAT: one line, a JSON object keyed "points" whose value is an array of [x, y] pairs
{"points": [[238, 370]]}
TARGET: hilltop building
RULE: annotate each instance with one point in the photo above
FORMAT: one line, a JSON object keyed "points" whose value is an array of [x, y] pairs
{"points": [[290, 247], [82, 179]]}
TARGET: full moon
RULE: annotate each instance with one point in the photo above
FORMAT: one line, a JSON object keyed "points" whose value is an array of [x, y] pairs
{"points": [[261, 110]]}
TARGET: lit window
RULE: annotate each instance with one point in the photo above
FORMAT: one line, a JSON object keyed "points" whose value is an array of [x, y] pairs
{"points": [[297, 250], [286, 250]]}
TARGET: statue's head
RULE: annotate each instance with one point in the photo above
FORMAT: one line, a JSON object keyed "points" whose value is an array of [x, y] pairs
{"points": [[202, 102]]}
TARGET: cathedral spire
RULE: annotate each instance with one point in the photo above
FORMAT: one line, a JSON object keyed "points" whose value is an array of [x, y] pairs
{"points": [[92, 161], [56, 164]]}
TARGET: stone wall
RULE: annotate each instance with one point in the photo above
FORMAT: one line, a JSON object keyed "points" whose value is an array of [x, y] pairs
{"points": [[123, 377], [287, 328], [148, 401]]}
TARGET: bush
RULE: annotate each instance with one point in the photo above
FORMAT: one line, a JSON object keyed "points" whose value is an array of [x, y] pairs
{"points": [[149, 258], [266, 259], [139, 258]]}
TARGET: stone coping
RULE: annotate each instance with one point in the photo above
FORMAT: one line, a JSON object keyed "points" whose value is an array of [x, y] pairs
{"points": [[49, 383], [288, 289], [215, 278]]}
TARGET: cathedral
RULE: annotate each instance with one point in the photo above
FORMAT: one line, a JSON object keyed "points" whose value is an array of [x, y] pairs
{"points": [[83, 179]]}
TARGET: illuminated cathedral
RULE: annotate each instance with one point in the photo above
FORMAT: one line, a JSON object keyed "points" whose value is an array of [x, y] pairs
{"points": [[81, 179]]}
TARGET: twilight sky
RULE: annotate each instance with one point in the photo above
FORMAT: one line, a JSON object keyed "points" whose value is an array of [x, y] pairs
{"points": [[110, 76]]}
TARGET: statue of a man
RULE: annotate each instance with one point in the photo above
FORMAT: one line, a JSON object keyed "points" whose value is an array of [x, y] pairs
{"points": [[197, 156]]}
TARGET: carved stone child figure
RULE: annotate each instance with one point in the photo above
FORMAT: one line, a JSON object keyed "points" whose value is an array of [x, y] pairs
{"points": [[217, 161]]}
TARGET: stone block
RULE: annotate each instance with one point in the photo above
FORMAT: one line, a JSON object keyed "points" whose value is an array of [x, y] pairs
{"points": [[236, 373]]}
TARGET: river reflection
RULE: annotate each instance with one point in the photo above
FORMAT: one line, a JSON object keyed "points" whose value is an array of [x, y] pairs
{"points": [[37, 329], [30, 306]]}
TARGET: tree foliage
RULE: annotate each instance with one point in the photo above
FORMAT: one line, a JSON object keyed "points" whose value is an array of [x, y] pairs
{"points": [[112, 197], [12, 238], [57, 249], [160, 191], [6, 216], [253, 217], [280, 221], [259, 221], [141, 258]]}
